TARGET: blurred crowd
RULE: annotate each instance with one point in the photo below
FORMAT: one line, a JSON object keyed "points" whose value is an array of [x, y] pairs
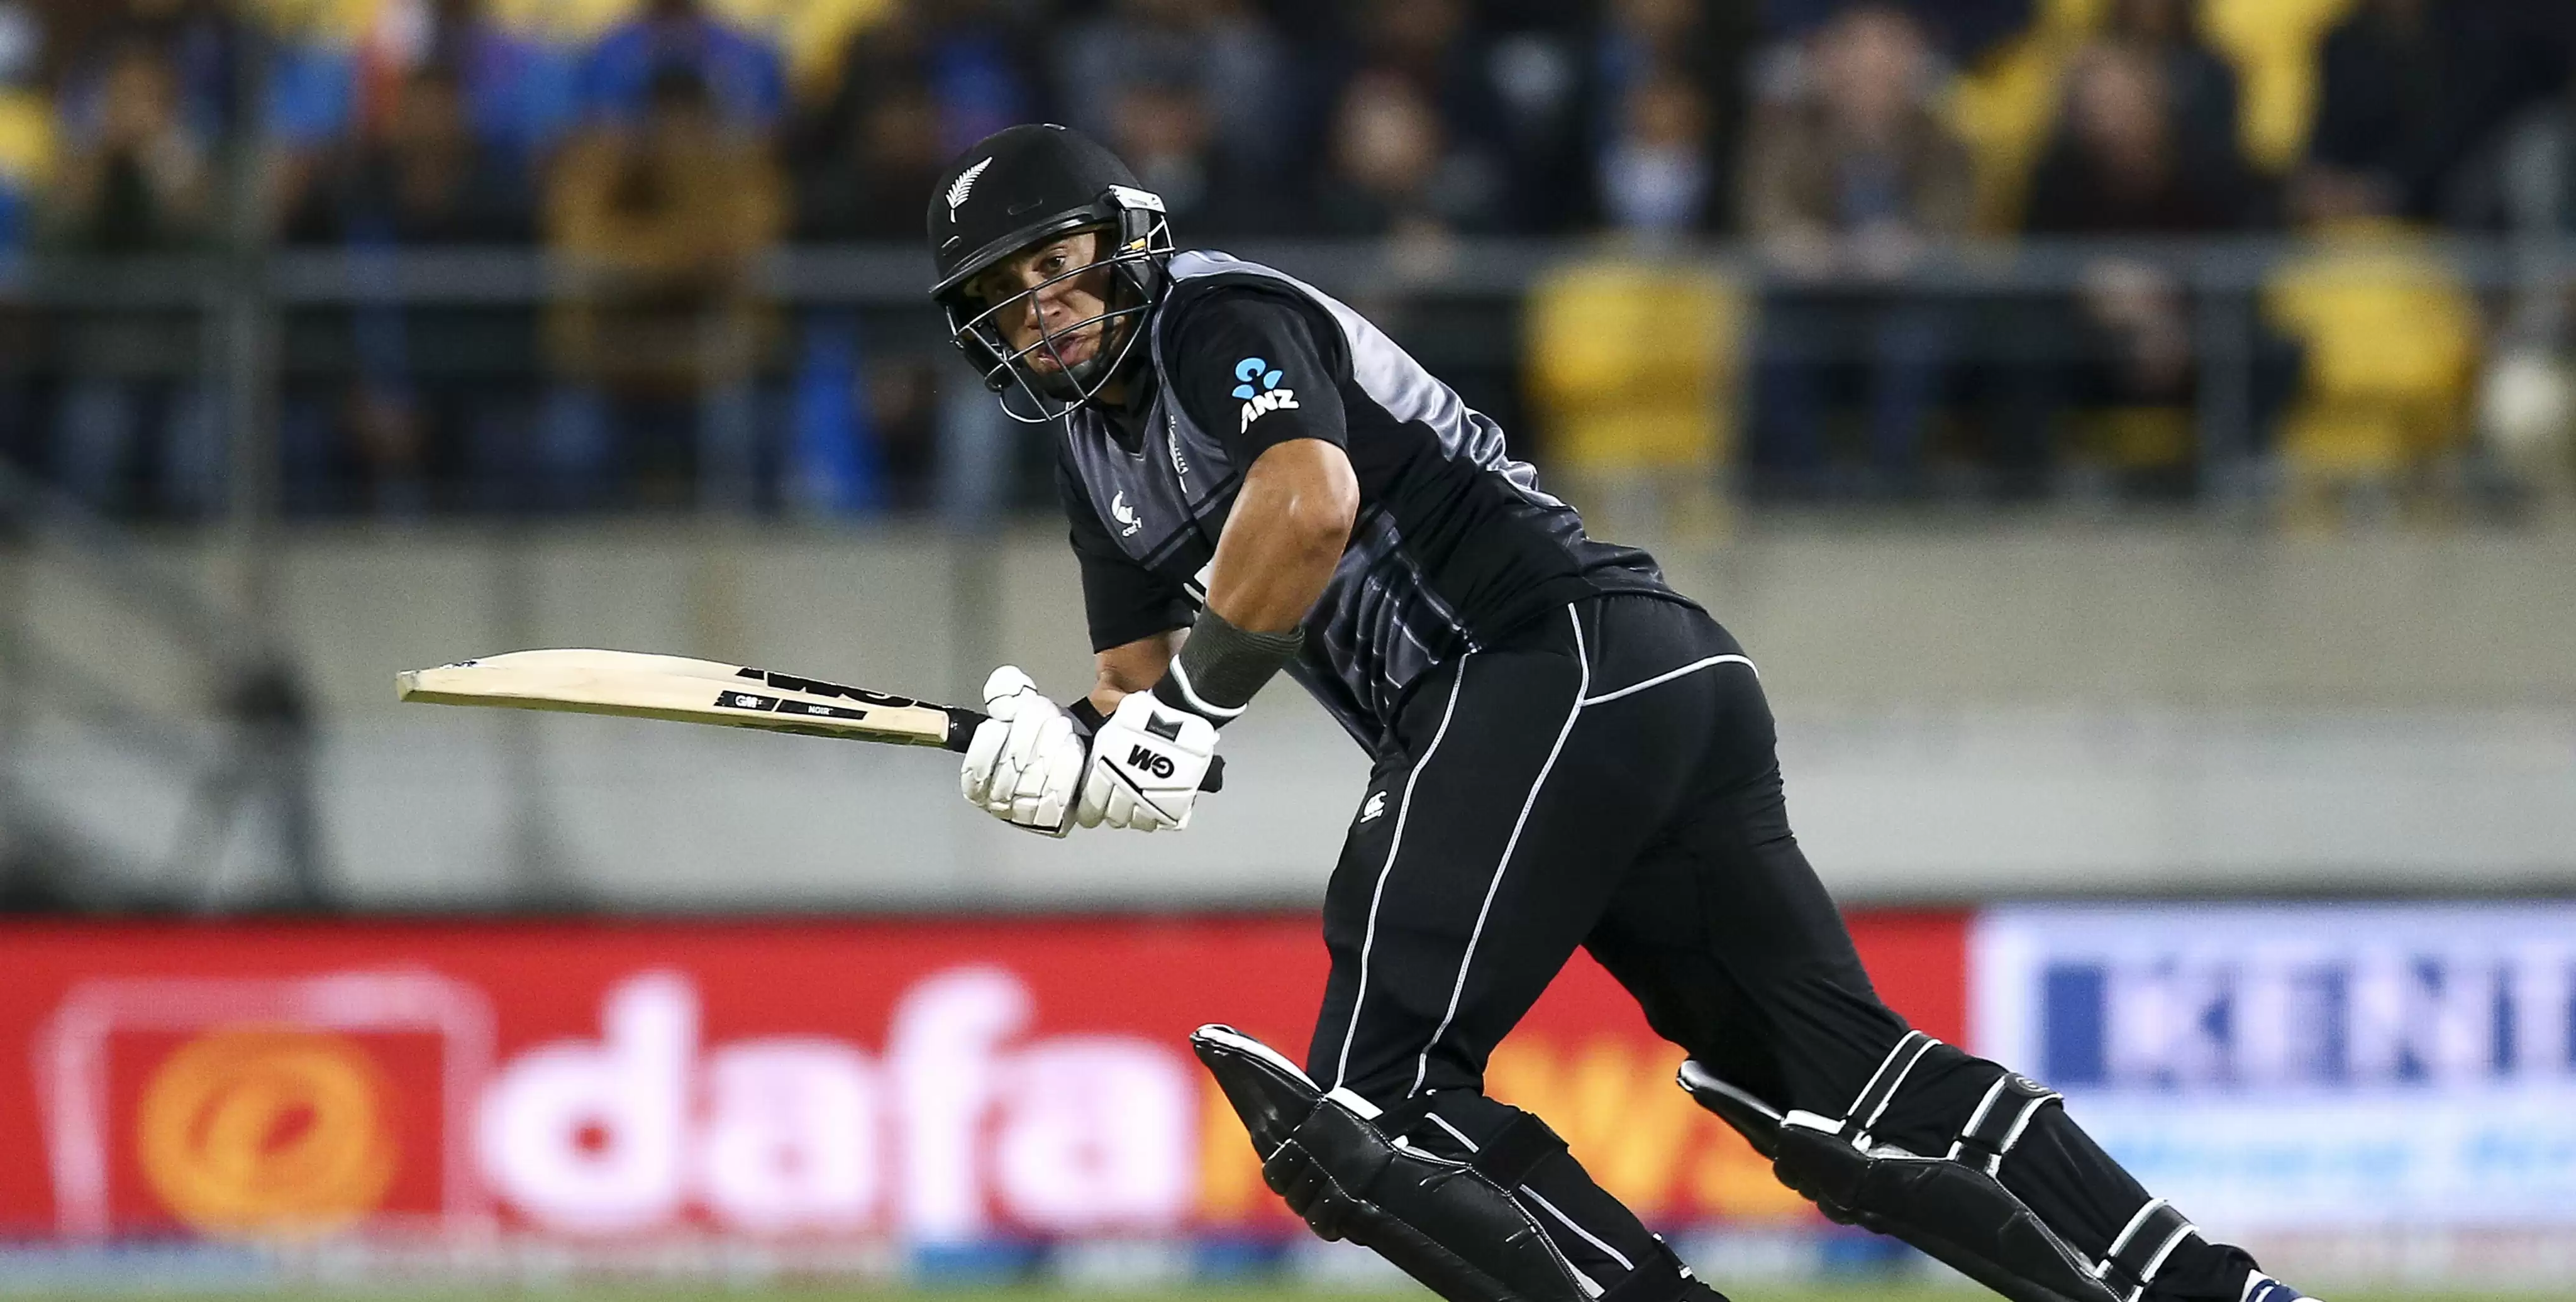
{"points": [[659, 148]]}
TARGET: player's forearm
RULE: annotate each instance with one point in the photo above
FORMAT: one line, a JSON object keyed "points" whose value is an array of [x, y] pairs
{"points": [[1284, 537]]}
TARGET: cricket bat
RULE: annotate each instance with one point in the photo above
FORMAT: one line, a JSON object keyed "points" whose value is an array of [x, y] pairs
{"points": [[642, 686]]}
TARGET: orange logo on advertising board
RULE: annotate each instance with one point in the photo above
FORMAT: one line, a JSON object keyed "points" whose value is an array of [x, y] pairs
{"points": [[267, 1131]]}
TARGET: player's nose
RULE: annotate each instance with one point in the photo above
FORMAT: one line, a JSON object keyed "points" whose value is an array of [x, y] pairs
{"points": [[1028, 309], [1048, 305]]}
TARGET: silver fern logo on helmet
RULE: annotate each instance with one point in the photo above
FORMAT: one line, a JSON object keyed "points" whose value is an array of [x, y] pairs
{"points": [[963, 186]]}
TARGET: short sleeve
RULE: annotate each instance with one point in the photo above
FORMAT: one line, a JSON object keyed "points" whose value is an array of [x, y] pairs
{"points": [[1121, 600], [1254, 367]]}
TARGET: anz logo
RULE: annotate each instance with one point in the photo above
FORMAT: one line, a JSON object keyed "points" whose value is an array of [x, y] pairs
{"points": [[1269, 397]]}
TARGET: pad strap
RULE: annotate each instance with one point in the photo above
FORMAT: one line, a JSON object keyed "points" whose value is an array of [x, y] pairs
{"points": [[1874, 1096], [2140, 1250], [1997, 1124], [1505, 1157], [1516, 1150], [1660, 1278]]}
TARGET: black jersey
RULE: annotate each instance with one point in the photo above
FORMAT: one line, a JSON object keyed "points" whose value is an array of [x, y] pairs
{"points": [[1454, 545]]}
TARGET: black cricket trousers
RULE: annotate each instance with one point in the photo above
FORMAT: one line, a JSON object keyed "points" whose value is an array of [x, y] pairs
{"points": [[1606, 777]]}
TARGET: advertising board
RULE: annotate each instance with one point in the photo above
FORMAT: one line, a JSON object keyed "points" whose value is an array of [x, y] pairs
{"points": [[905, 1082], [2354, 1069]]}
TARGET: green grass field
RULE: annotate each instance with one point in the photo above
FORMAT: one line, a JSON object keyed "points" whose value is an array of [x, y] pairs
{"points": [[1893, 1292]]}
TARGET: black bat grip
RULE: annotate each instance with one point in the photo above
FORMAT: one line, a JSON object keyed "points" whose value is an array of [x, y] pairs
{"points": [[962, 723]]}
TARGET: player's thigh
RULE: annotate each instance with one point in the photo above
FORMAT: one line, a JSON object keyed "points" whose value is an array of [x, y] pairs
{"points": [[1479, 862], [1389, 909], [1408, 896], [1728, 940]]}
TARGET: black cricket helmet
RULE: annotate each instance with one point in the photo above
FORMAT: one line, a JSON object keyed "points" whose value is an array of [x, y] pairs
{"points": [[1028, 184]]}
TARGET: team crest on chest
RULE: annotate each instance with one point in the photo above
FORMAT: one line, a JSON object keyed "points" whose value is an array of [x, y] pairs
{"points": [[1264, 399]]}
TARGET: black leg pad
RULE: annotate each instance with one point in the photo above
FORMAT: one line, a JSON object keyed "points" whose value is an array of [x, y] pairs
{"points": [[1955, 1213], [1750, 1117], [1447, 1224]]}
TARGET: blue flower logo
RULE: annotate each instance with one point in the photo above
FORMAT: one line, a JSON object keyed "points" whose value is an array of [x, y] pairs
{"points": [[1250, 369]]}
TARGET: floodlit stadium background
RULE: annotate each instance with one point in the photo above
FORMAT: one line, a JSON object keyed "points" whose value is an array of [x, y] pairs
{"points": [[2136, 439]]}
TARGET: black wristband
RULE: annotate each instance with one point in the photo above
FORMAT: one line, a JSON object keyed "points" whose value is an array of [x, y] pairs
{"points": [[1220, 667]]}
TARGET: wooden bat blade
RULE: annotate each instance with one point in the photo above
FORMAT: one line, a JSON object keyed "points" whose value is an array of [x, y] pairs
{"points": [[638, 685]]}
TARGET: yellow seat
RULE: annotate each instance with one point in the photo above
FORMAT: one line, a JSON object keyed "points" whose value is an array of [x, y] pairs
{"points": [[2136, 436], [563, 22], [2391, 337], [1634, 369], [1632, 363], [340, 23], [26, 139]]}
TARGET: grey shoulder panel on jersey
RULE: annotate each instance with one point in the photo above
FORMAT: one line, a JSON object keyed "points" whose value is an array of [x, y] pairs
{"points": [[1381, 370], [1382, 621]]}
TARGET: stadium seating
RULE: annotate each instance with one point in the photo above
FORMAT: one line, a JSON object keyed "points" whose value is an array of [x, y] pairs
{"points": [[2391, 337]]}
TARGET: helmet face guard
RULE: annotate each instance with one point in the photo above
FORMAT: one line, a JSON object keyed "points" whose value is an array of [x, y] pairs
{"points": [[1141, 246]]}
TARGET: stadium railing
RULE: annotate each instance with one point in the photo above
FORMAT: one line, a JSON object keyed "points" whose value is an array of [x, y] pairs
{"points": [[264, 349]]}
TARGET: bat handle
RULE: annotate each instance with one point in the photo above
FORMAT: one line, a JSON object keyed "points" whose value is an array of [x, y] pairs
{"points": [[962, 723]]}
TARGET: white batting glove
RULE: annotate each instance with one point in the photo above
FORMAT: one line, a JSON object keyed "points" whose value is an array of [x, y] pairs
{"points": [[1023, 765], [1147, 761]]}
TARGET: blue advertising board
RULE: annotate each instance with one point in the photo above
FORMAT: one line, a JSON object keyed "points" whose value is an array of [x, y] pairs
{"points": [[2290, 1067]]}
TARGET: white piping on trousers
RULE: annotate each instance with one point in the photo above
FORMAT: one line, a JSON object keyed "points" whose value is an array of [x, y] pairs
{"points": [[1671, 674], [1395, 842], [1458, 989]]}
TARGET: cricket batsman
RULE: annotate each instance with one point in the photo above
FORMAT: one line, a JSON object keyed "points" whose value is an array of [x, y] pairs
{"points": [[1567, 753]]}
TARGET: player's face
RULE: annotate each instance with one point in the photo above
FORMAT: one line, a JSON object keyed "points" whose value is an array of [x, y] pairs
{"points": [[1062, 309]]}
